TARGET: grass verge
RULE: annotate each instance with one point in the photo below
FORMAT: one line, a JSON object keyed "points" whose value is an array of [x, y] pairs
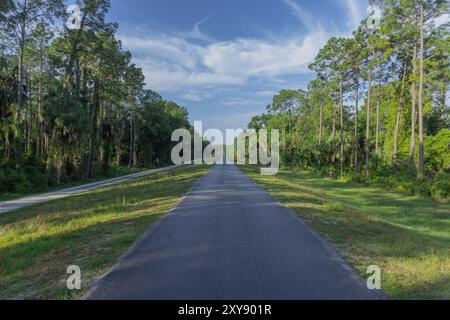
{"points": [[91, 230], [407, 237], [115, 173]]}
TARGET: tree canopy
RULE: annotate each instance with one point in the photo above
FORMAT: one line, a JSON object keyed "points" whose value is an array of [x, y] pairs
{"points": [[73, 105], [393, 79]]}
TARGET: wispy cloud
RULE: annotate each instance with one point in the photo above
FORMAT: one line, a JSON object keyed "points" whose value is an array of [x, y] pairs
{"points": [[263, 58], [192, 70], [266, 93], [171, 62], [196, 30], [241, 102], [305, 17], [237, 121], [355, 11], [195, 95]]}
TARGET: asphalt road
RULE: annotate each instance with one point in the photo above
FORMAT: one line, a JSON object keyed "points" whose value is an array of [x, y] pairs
{"points": [[8, 206], [230, 240]]}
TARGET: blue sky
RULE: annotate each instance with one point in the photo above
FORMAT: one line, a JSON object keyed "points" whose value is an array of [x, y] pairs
{"points": [[225, 59]]}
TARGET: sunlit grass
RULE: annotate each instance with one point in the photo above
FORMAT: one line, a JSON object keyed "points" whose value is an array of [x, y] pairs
{"points": [[408, 237], [92, 230]]}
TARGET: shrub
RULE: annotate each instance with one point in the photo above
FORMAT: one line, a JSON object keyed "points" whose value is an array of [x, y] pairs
{"points": [[407, 188], [422, 188], [357, 178], [23, 176], [14, 182], [37, 179], [440, 187], [386, 182]]}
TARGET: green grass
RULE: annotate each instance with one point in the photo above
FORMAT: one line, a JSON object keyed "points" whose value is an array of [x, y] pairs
{"points": [[407, 237], [92, 230]]}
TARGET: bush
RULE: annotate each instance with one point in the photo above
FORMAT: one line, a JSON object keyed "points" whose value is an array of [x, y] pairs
{"points": [[407, 188], [440, 187], [37, 179], [422, 188], [23, 176], [13, 182], [357, 178], [386, 182]]}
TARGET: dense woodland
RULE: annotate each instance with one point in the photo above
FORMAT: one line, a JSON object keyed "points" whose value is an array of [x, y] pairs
{"points": [[378, 110], [73, 106]]}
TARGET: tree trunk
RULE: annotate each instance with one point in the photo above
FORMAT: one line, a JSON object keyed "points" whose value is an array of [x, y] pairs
{"points": [[412, 149], [421, 85], [118, 155], [28, 128], [367, 144], [87, 156], [443, 109], [135, 135], [341, 103], [357, 126], [378, 124], [398, 120], [20, 73], [321, 124], [333, 130], [18, 146], [333, 139], [118, 146], [94, 145], [39, 107], [130, 150], [377, 129]]}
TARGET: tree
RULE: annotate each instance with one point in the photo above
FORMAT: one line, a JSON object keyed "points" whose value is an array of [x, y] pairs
{"points": [[429, 10], [356, 56], [21, 21], [83, 109], [384, 66], [332, 63]]}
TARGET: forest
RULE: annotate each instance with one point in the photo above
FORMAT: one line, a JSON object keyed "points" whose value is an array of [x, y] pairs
{"points": [[73, 105], [378, 109]]}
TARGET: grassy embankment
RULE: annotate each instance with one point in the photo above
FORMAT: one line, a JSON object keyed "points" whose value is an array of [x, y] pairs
{"points": [[91, 230], [408, 237], [115, 172]]}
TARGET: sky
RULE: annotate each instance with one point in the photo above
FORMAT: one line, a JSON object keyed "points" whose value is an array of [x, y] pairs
{"points": [[225, 59]]}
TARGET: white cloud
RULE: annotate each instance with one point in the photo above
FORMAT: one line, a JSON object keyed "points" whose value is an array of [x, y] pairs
{"points": [[240, 102], [192, 96], [265, 93], [191, 63], [263, 58], [304, 16], [196, 33], [163, 47], [356, 11], [165, 77], [171, 62], [233, 121]]}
